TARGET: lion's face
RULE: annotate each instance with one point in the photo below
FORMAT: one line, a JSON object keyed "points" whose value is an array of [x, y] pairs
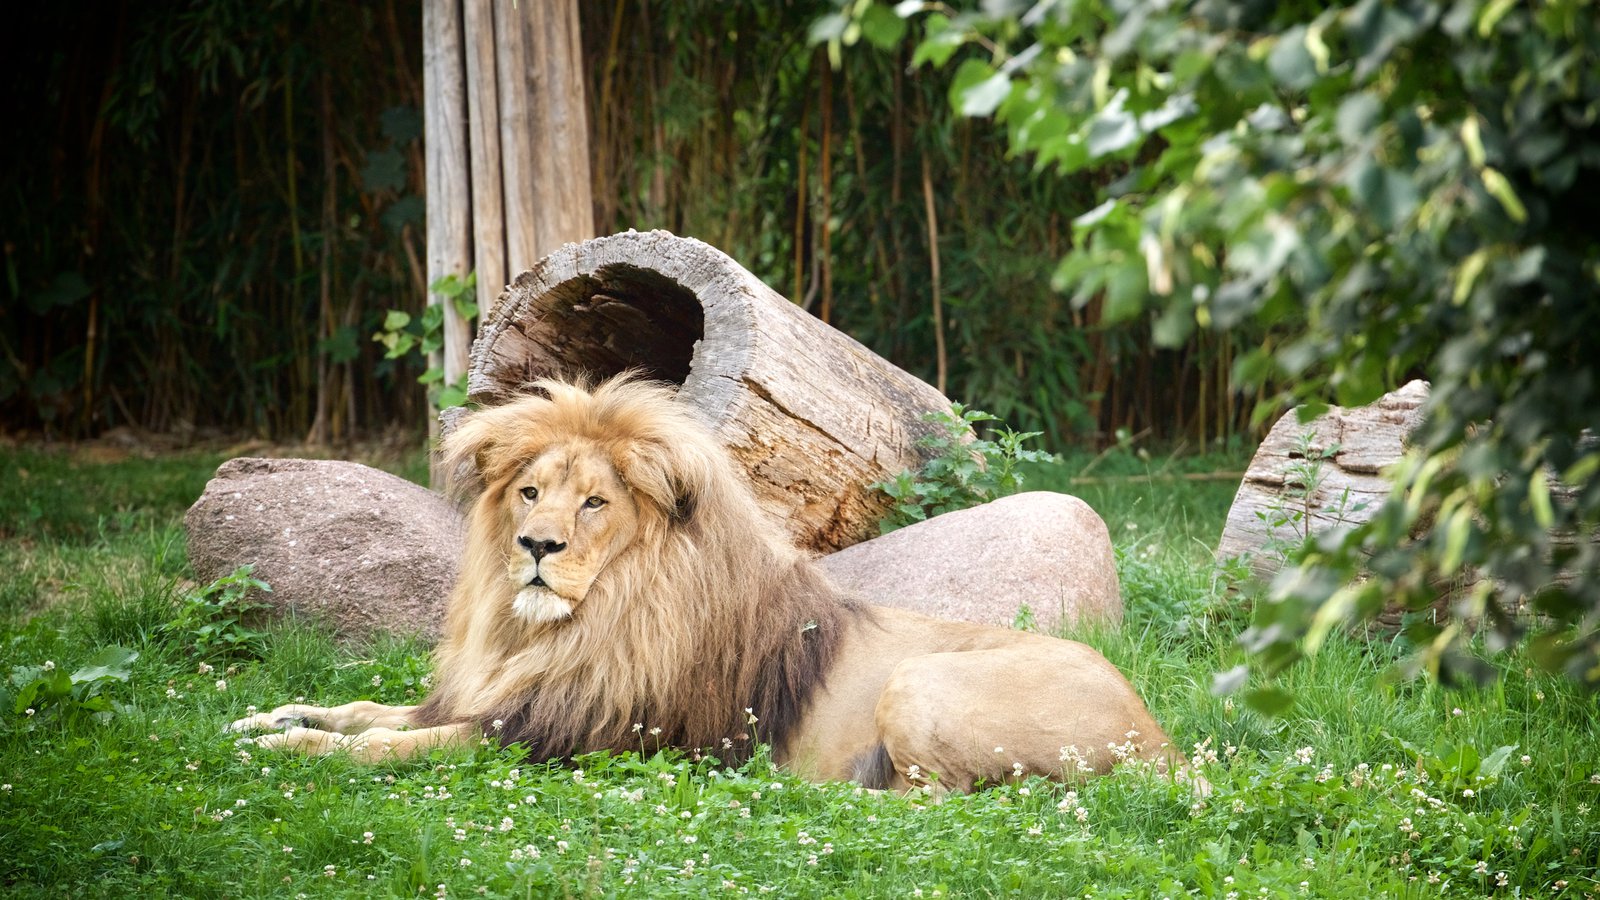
{"points": [[570, 515]]}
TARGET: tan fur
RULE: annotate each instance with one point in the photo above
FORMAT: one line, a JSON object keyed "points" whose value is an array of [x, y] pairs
{"points": [[664, 599]]}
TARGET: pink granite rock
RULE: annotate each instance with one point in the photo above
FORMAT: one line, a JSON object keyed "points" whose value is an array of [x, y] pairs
{"points": [[1047, 551], [353, 547]]}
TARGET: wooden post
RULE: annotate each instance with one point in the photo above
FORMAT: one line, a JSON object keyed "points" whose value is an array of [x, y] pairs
{"points": [[813, 416], [449, 199], [507, 136], [488, 194], [544, 128]]}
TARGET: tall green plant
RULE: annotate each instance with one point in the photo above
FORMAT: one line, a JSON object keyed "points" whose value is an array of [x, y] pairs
{"points": [[1386, 188], [962, 470]]}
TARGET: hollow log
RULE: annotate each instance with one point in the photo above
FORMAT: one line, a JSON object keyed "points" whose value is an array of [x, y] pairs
{"points": [[812, 415]]}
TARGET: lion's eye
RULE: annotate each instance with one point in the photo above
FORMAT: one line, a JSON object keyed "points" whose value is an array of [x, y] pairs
{"points": [[530, 494], [595, 502]]}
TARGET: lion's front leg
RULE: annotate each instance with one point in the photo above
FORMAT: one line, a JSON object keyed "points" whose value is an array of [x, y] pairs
{"points": [[345, 719], [373, 744]]}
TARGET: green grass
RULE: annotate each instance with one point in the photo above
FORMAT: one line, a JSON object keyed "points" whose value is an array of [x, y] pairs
{"points": [[1360, 790]]}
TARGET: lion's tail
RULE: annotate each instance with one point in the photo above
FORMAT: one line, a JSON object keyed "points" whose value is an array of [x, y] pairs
{"points": [[873, 769]]}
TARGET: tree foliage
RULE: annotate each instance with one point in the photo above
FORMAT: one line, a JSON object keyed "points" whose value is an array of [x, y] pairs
{"points": [[1381, 189]]}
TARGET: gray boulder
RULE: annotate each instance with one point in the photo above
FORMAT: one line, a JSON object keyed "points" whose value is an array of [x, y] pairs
{"points": [[1047, 551], [353, 547]]}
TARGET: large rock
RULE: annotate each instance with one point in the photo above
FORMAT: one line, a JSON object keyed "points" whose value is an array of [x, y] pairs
{"points": [[1357, 448], [1047, 551], [347, 545]]}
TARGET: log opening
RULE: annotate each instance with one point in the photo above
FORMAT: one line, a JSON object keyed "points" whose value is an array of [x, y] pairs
{"points": [[622, 317]]}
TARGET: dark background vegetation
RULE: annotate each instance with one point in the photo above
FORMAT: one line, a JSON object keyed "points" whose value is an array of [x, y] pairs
{"points": [[208, 208]]}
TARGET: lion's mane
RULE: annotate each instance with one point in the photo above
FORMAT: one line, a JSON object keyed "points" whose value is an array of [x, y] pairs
{"points": [[708, 612]]}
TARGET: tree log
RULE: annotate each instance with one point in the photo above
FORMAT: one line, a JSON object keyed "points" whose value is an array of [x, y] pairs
{"points": [[812, 415], [1273, 507]]}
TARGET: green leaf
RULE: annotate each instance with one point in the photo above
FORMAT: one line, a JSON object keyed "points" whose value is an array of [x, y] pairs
{"points": [[66, 289], [1290, 61], [1125, 292], [827, 28], [1456, 531], [1492, 14], [401, 124], [882, 27], [396, 320], [112, 662], [385, 171], [1269, 701], [1500, 188], [1389, 196], [972, 88], [1112, 130], [1539, 499], [340, 346], [939, 44]]}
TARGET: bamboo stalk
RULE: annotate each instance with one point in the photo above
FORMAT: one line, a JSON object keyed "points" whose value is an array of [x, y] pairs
{"points": [[800, 212], [825, 167], [933, 264]]}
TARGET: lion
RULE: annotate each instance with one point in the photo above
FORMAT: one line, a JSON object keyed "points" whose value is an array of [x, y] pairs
{"points": [[620, 586]]}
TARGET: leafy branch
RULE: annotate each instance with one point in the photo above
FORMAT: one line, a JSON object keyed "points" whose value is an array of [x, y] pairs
{"points": [[963, 471], [403, 334]]}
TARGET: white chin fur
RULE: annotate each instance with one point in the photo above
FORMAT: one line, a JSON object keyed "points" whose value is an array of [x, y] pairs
{"points": [[540, 605]]}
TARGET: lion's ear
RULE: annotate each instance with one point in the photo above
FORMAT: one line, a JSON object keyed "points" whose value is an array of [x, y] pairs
{"points": [[683, 506], [478, 448], [670, 478]]}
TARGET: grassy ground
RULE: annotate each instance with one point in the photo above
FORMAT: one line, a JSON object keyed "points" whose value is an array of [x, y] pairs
{"points": [[1368, 787]]}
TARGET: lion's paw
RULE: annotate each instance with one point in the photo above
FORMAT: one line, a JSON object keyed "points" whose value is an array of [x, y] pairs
{"points": [[310, 741], [277, 720]]}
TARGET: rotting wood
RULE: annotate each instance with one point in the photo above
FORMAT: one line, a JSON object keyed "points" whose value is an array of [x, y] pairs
{"points": [[813, 416], [1360, 444], [449, 228]]}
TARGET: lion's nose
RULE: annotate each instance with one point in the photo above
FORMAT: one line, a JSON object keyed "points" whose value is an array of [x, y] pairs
{"points": [[541, 549]]}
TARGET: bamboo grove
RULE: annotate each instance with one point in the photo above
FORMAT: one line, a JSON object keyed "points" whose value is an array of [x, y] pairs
{"points": [[210, 207]]}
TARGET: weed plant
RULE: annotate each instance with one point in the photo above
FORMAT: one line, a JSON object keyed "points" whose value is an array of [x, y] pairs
{"points": [[1366, 787]]}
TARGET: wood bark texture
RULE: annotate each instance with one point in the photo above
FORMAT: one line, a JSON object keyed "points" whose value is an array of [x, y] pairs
{"points": [[544, 128], [812, 415], [1369, 440], [488, 195], [449, 200]]}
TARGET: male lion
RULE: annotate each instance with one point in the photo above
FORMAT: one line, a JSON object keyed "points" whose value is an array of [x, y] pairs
{"points": [[619, 579]]}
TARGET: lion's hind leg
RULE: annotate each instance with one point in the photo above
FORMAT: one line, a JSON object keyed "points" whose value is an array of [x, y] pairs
{"points": [[1038, 707]]}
